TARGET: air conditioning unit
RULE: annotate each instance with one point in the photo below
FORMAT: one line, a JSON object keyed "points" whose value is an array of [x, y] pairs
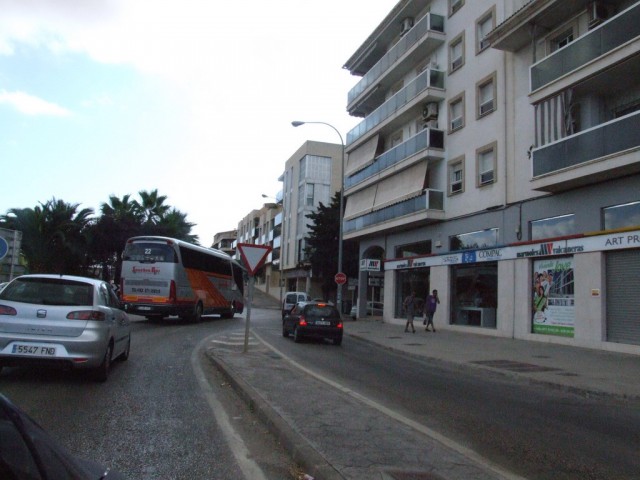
{"points": [[486, 107], [598, 12], [430, 111], [407, 23], [456, 123], [456, 63]]}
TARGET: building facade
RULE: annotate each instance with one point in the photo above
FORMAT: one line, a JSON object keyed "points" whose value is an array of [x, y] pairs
{"points": [[498, 162], [311, 176], [226, 242]]}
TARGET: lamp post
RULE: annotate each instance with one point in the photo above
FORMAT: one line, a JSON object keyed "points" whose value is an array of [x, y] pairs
{"points": [[297, 123]]}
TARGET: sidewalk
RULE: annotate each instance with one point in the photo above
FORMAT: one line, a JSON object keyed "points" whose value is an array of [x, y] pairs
{"points": [[356, 439]]}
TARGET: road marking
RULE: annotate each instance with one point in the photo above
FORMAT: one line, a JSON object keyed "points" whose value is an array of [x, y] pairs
{"points": [[468, 453], [249, 468]]}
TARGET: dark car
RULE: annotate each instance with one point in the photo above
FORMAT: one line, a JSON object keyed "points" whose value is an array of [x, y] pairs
{"points": [[313, 320], [27, 451]]}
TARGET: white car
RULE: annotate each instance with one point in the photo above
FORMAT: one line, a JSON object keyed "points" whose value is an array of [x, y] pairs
{"points": [[63, 321], [373, 308]]}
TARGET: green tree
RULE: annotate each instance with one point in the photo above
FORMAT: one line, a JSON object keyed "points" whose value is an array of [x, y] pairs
{"points": [[322, 246], [53, 236], [151, 207]]}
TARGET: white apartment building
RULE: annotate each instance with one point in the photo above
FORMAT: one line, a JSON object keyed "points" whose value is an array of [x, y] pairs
{"points": [[498, 162], [311, 176]]}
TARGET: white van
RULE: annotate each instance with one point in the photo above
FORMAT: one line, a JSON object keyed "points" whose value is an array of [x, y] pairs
{"points": [[291, 298]]}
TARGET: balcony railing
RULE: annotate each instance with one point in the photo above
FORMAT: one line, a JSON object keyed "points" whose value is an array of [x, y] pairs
{"points": [[427, 138], [429, 200], [426, 80], [601, 40], [429, 23], [605, 139]]}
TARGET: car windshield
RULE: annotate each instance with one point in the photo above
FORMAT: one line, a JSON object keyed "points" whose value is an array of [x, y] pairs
{"points": [[48, 291], [147, 252]]}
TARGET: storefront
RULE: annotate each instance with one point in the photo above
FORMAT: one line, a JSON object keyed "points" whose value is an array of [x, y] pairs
{"points": [[581, 290]]}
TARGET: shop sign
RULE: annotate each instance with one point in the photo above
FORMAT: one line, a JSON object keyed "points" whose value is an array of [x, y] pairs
{"points": [[370, 265]]}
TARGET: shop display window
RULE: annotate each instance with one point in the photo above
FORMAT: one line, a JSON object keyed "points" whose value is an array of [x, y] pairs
{"points": [[474, 295]]}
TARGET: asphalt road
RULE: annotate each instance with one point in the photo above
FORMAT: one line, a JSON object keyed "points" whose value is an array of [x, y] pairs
{"points": [[531, 430], [166, 413]]}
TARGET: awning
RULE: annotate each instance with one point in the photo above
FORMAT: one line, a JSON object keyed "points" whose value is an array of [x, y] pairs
{"points": [[406, 184], [362, 156], [360, 202]]}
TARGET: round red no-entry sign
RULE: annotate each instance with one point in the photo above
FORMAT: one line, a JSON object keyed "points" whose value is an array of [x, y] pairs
{"points": [[340, 278]]}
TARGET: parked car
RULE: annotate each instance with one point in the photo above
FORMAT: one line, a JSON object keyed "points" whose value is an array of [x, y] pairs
{"points": [[27, 451], [2, 285], [314, 320], [373, 308], [62, 321], [291, 298]]}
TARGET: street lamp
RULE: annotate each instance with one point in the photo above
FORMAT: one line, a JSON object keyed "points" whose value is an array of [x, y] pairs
{"points": [[281, 243], [297, 123]]}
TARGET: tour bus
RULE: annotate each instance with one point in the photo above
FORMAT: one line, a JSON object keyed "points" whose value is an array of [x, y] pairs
{"points": [[164, 276]]}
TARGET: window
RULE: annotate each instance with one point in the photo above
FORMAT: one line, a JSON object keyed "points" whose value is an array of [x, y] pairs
{"points": [[561, 37], [456, 113], [456, 176], [480, 239], [486, 164], [621, 216], [484, 25], [456, 53], [552, 227], [486, 92], [309, 195], [455, 5]]}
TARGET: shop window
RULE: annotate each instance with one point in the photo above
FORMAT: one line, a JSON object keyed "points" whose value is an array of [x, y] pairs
{"points": [[414, 249], [414, 279], [474, 295], [621, 216], [475, 240], [552, 227]]}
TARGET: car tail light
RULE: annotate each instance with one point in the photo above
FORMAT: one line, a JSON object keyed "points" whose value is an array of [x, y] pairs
{"points": [[172, 292], [339, 325], [302, 321], [6, 310], [86, 315]]}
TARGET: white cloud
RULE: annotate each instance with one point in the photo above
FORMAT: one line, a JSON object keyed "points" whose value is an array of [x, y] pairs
{"points": [[30, 105]]}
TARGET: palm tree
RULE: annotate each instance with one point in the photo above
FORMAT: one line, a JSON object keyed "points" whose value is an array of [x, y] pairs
{"points": [[174, 224], [53, 238], [151, 208]]}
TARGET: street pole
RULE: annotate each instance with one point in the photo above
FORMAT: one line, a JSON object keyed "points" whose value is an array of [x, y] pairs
{"points": [[297, 123]]}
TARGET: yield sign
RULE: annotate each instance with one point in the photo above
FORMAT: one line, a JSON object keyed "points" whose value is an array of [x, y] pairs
{"points": [[253, 256]]}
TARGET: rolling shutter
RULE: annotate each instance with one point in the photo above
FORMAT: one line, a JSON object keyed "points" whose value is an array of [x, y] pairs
{"points": [[623, 298]]}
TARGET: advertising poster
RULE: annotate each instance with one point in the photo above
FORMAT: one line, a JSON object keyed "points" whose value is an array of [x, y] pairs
{"points": [[553, 297]]}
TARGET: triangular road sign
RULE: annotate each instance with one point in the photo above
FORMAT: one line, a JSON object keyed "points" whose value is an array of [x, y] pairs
{"points": [[253, 256]]}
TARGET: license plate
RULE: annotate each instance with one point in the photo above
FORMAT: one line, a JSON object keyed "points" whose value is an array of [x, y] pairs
{"points": [[144, 308], [37, 350], [322, 322]]}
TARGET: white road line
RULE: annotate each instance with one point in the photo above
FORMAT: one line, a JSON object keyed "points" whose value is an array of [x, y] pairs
{"points": [[468, 453], [249, 468]]}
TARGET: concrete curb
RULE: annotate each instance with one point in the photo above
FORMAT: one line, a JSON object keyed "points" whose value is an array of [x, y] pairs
{"points": [[295, 444]]}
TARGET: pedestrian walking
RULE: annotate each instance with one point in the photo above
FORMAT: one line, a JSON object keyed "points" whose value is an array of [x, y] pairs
{"points": [[430, 305], [409, 306]]}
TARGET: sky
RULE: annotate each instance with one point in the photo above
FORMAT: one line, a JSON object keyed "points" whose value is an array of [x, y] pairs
{"points": [[194, 98]]}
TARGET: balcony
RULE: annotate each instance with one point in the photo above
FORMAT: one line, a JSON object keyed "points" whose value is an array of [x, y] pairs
{"points": [[428, 86], [429, 206], [427, 138], [603, 152], [427, 34], [612, 34]]}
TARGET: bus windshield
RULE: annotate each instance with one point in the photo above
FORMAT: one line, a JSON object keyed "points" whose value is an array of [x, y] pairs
{"points": [[147, 252]]}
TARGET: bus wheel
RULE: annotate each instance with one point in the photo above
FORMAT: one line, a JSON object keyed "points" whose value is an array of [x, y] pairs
{"points": [[197, 313]]}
